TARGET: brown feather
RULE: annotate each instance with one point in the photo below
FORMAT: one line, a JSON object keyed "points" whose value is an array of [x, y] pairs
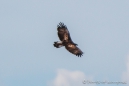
{"points": [[66, 40], [73, 49]]}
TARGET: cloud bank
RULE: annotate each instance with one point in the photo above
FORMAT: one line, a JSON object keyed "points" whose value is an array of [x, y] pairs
{"points": [[125, 75], [69, 78]]}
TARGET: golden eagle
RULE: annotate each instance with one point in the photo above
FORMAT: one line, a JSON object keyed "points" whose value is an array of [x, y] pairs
{"points": [[66, 40]]}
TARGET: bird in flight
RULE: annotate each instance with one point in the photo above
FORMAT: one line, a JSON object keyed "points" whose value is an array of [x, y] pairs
{"points": [[66, 41]]}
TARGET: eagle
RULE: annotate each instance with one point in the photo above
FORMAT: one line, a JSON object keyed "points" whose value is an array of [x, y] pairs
{"points": [[66, 41]]}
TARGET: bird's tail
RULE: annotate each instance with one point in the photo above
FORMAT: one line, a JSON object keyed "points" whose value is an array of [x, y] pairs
{"points": [[58, 44]]}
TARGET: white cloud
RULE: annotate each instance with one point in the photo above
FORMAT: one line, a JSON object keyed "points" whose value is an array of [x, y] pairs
{"points": [[125, 75], [69, 78]]}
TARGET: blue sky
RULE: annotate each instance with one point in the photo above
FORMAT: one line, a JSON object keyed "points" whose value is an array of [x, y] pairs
{"points": [[28, 29]]}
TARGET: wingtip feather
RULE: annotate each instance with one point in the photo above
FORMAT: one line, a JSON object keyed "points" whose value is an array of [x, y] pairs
{"points": [[61, 25]]}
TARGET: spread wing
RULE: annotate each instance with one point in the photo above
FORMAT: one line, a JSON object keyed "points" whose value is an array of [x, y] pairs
{"points": [[74, 49], [63, 32]]}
